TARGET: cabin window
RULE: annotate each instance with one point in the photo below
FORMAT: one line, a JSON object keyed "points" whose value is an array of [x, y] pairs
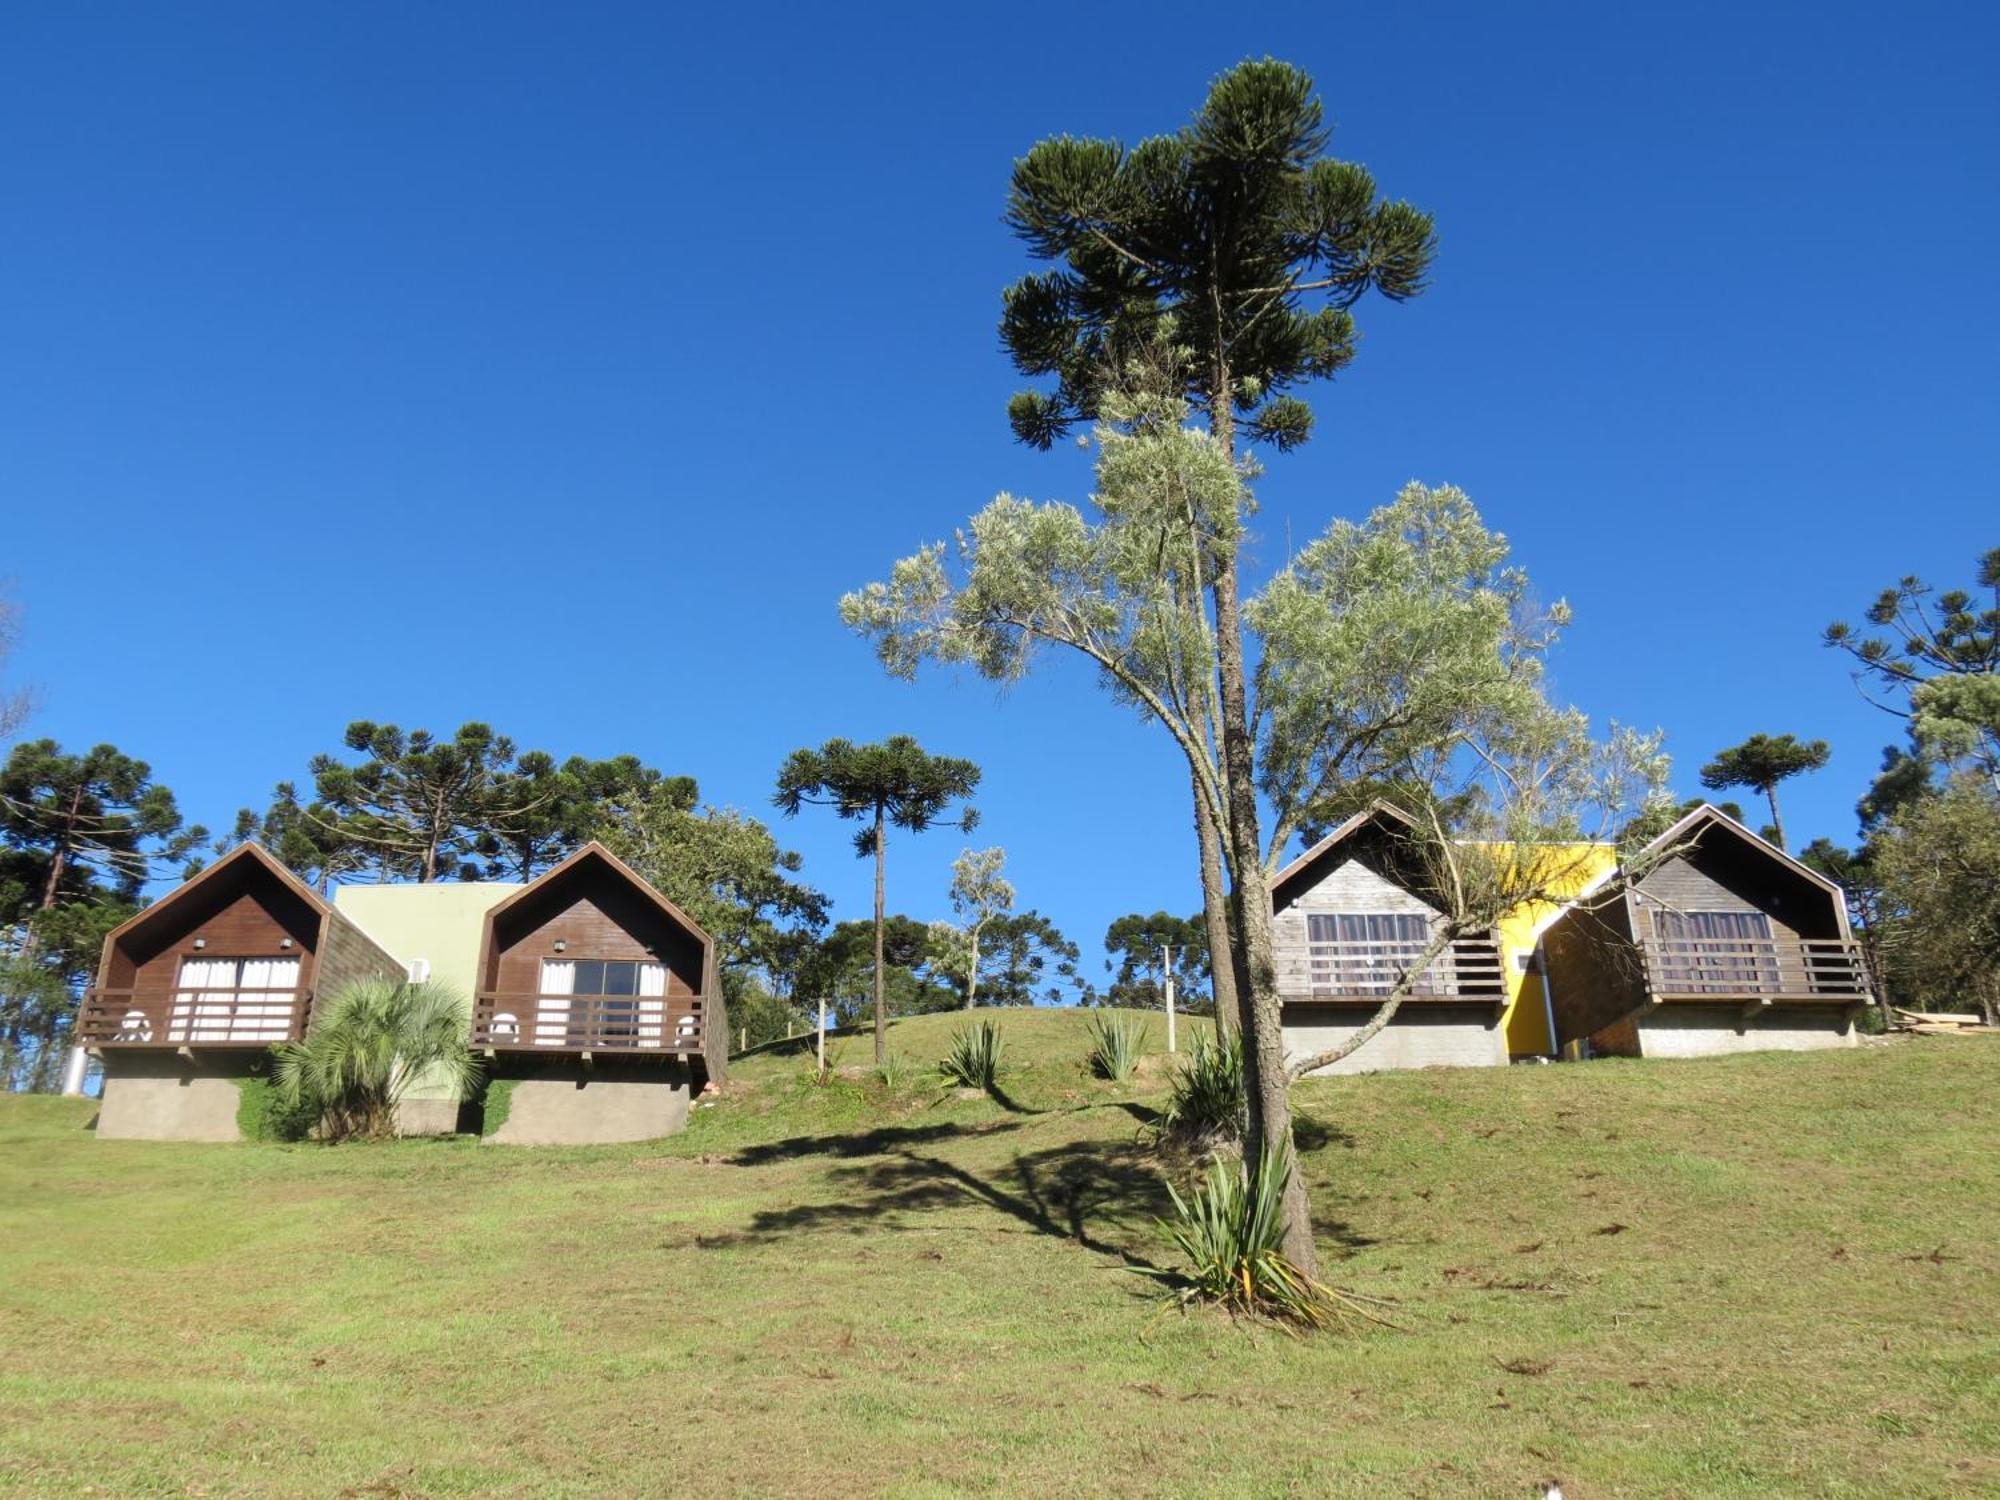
{"points": [[619, 1002], [1716, 952], [234, 1000], [1365, 953]]}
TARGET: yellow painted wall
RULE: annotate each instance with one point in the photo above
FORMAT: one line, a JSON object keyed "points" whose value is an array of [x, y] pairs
{"points": [[1526, 1018], [442, 922]]}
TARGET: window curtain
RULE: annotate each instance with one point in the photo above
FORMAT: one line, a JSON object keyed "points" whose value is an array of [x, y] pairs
{"points": [[202, 1000], [652, 1029], [1717, 952], [1365, 953], [266, 1017], [552, 1015]]}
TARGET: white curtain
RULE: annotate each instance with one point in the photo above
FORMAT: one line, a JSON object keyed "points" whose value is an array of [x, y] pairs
{"points": [[266, 1017], [208, 1008], [201, 1003], [552, 1016], [652, 1005]]}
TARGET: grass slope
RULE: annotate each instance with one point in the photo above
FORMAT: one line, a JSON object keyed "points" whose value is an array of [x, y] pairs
{"points": [[1755, 1275]]}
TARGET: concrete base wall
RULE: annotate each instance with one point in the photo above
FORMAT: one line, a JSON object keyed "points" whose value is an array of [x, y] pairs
{"points": [[427, 1117], [564, 1103], [1684, 1030], [1424, 1035], [161, 1096]]}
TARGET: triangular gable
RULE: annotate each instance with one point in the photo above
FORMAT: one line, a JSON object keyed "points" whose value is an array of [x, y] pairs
{"points": [[1378, 814], [250, 853], [594, 851], [1707, 815]]}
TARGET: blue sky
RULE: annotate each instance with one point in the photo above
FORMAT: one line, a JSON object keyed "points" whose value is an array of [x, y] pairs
{"points": [[562, 369]]}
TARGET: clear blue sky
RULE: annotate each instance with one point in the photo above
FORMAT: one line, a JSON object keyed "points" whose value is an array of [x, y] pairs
{"points": [[561, 368]]}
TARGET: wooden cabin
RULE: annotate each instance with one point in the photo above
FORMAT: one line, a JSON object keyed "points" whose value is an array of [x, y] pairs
{"points": [[598, 1005], [193, 991], [1349, 916], [1724, 943]]}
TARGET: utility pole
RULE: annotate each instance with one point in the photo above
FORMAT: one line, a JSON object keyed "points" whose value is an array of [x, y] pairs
{"points": [[822, 1036], [1167, 976]]}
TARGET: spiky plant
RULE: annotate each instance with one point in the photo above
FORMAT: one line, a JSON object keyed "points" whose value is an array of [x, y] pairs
{"points": [[374, 1038], [1117, 1040], [974, 1056], [1207, 1105], [1230, 1230]]}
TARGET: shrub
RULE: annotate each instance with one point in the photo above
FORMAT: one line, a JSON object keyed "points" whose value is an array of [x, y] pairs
{"points": [[374, 1039], [1207, 1105], [1230, 1229], [495, 1104], [263, 1114], [974, 1057], [1116, 1042]]}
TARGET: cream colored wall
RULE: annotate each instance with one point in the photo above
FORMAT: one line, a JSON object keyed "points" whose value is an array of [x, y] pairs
{"points": [[442, 922]]}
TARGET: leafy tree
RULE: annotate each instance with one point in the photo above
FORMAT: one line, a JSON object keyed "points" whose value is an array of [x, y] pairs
{"points": [[374, 1038], [554, 810], [893, 782], [1656, 819], [1760, 763], [16, 702], [1939, 865], [311, 842], [1133, 944], [422, 805], [1033, 963], [89, 818], [843, 970], [1935, 662], [725, 870], [980, 893]]}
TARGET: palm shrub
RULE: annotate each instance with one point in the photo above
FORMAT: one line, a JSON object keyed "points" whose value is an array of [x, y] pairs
{"points": [[1230, 1229], [375, 1037], [1207, 1105], [1116, 1042], [974, 1056]]}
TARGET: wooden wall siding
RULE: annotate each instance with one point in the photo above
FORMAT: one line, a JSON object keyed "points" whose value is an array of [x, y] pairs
{"points": [[246, 914], [1592, 969], [347, 954], [1681, 884], [597, 914], [1350, 886]]}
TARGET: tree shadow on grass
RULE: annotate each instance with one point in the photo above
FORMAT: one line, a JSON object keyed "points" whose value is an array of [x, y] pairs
{"points": [[886, 1140], [1077, 1192]]}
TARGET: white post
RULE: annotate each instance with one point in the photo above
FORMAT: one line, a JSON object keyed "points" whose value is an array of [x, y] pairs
{"points": [[79, 1064], [822, 1035], [1167, 969]]}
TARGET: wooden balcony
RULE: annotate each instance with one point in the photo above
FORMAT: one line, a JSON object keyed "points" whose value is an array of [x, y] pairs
{"points": [[193, 1018], [509, 1021], [1469, 970], [1755, 970]]}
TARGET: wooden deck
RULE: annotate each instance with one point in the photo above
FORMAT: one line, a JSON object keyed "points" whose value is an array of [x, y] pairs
{"points": [[193, 1018], [516, 1021], [1469, 970], [1754, 969]]}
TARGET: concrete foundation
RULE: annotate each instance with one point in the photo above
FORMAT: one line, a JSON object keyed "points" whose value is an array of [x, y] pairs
{"points": [[162, 1096], [564, 1103], [1424, 1034], [427, 1117], [1693, 1030]]}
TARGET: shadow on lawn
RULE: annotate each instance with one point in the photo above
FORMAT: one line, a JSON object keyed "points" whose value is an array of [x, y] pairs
{"points": [[886, 1140]]}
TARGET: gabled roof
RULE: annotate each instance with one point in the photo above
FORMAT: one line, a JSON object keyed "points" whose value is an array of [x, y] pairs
{"points": [[596, 852], [247, 853], [1707, 815], [1376, 813]]}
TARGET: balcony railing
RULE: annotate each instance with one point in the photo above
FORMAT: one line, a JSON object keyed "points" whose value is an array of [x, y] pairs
{"points": [[1470, 969], [512, 1021], [193, 1018], [1754, 969]]}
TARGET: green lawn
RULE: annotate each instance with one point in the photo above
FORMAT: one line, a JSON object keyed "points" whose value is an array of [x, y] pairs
{"points": [[1756, 1275]]}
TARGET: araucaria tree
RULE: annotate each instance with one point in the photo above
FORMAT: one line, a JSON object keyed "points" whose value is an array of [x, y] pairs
{"points": [[1760, 763], [894, 782]]}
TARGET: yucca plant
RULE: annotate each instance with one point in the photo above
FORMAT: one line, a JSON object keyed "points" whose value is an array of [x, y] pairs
{"points": [[1207, 1105], [974, 1057], [894, 1072], [1230, 1228], [1117, 1040], [373, 1039]]}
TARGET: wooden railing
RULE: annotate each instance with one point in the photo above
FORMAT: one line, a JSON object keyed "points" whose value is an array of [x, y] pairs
{"points": [[514, 1021], [1754, 969], [205, 1017], [1470, 969]]}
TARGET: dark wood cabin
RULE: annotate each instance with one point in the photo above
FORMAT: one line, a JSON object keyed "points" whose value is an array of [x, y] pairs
{"points": [[1725, 942], [232, 959], [590, 960], [1349, 917]]}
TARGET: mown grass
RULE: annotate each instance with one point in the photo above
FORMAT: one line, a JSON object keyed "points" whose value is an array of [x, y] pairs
{"points": [[1763, 1275]]}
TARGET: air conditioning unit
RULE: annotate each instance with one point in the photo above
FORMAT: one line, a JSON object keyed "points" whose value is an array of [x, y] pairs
{"points": [[420, 970]]}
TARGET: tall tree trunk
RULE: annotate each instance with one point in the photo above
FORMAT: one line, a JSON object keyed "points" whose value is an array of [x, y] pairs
{"points": [[881, 1002], [972, 974], [1777, 823], [1264, 1074], [1215, 913]]}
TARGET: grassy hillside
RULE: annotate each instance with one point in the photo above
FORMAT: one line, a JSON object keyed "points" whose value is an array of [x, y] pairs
{"points": [[1759, 1275]]}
